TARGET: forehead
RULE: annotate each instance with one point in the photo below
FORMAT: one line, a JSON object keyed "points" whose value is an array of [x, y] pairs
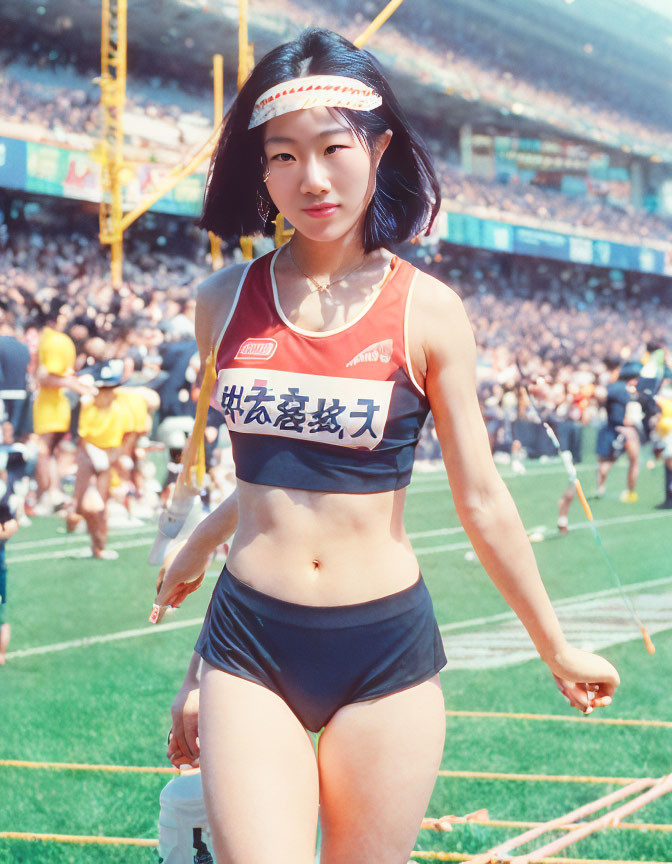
{"points": [[303, 124]]}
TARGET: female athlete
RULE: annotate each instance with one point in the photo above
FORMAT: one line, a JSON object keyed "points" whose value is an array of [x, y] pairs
{"points": [[330, 352]]}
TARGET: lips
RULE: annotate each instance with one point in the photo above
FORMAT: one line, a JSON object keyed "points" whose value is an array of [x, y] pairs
{"points": [[321, 210]]}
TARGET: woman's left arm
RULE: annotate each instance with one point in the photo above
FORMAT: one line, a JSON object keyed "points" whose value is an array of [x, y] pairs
{"points": [[445, 350]]}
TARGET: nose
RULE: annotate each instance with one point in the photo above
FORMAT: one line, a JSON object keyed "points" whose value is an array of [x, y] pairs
{"points": [[315, 179]]}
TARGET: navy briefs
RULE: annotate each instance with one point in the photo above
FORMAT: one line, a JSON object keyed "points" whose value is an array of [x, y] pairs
{"points": [[320, 658], [610, 442]]}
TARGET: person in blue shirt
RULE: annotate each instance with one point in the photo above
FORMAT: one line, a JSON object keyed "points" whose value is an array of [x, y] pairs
{"points": [[619, 434]]}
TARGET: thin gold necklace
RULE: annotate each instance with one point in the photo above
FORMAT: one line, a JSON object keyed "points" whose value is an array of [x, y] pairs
{"points": [[323, 288]]}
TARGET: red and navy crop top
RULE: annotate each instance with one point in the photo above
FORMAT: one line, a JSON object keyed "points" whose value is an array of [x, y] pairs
{"points": [[332, 411]]}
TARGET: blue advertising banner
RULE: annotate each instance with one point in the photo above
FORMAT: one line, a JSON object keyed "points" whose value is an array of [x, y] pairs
{"points": [[46, 169], [497, 236], [543, 244], [12, 163], [463, 229]]}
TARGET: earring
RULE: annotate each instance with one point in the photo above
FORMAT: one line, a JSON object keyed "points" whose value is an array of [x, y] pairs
{"points": [[267, 174], [263, 207]]}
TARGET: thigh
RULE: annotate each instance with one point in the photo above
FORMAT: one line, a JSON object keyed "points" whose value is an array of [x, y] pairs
{"points": [[83, 477], [259, 773], [631, 442], [378, 762], [103, 481]]}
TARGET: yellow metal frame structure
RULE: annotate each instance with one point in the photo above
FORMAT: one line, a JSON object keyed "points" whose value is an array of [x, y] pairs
{"points": [[112, 98]]}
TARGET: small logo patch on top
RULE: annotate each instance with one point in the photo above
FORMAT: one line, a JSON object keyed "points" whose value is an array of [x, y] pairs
{"points": [[377, 351], [256, 349]]}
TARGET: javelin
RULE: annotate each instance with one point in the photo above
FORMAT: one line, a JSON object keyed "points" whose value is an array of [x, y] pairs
{"points": [[568, 462]]}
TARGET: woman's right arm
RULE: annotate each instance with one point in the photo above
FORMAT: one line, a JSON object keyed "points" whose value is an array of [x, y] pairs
{"points": [[214, 302], [183, 743]]}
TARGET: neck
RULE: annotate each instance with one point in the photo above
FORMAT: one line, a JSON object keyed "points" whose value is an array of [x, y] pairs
{"points": [[325, 261]]}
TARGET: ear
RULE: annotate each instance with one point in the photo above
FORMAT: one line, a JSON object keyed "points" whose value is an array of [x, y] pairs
{"points": [[381, 146]]}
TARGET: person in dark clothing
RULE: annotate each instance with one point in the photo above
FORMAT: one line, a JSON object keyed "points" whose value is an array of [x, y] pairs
{"points": [[12, 468], [175, 389], [14, 360], [619, 434]]}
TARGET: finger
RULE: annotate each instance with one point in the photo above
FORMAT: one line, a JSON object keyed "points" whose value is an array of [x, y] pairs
{"points": [[582, 698], [191, 737], [568, 690], [190, 587], [608, 688], [575, 694], [173, 749], [157, 613], [178, 737], [179, 761]]}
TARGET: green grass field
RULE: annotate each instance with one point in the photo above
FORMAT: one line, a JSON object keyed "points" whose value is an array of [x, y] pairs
{"points": [[107, 702]]}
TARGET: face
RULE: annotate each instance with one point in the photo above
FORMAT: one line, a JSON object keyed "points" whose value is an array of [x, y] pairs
{"points": [[321, 176]]}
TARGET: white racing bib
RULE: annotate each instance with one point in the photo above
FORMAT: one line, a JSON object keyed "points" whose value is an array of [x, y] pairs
{"points": [[347, 412]]}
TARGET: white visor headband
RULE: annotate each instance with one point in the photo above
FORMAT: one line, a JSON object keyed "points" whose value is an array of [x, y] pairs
{"points": [[316, 91]]}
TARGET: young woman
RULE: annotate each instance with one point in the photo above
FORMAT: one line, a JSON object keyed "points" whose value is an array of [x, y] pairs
{"points": [[330, 352]]}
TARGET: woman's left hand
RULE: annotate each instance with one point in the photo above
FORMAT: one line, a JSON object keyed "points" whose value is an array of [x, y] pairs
{"points": [[587, 680]]}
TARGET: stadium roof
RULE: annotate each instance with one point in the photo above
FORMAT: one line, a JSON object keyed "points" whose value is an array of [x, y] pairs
{"points": [[630, 45]]}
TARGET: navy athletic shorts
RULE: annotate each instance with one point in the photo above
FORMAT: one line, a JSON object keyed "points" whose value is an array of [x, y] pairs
{"points": [[610, 442], [320, 658], [3, 584]]}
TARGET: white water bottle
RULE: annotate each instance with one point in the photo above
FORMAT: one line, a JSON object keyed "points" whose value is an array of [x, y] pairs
{"points": [[184, 835]]}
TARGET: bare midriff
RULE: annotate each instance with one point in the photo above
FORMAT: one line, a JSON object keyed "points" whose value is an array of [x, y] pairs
{"points": [[321, 548]]}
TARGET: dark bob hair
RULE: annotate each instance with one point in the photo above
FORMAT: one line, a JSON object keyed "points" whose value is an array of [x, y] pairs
{"points": [[407, 196]]}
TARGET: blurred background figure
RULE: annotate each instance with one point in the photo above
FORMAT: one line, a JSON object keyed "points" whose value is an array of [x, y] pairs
{"points": [[105, 419]]}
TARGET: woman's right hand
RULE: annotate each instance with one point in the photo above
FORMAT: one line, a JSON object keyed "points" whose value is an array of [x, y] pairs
{"points": [[182, 573], [183, 742]]}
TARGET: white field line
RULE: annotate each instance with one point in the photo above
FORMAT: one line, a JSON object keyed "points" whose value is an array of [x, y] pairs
{"points": [[108, 637], [414, 535], [191, 622], [565, 601], [73, 539], [591, 625], [436, 532], [72, 553], [432, 481], [598, 523]]}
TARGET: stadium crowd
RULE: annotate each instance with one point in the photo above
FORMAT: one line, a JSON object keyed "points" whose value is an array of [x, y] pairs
{"points": [[548, 208], [121, 366], [563, 319], [469, 59], [467, 55], [34, 108]]}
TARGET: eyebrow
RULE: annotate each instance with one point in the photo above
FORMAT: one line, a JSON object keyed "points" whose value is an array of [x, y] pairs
{"points": [[327, 133]]}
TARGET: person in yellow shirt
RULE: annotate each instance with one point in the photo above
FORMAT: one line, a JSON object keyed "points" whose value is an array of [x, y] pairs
{"points": [[51, 409], [104, 420], [664, 434], [136, 401]]}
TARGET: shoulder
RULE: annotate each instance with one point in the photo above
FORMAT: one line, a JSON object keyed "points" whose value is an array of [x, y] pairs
{"points": [[221, 285], [440, 321], [431, 293], [215, 297]]}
